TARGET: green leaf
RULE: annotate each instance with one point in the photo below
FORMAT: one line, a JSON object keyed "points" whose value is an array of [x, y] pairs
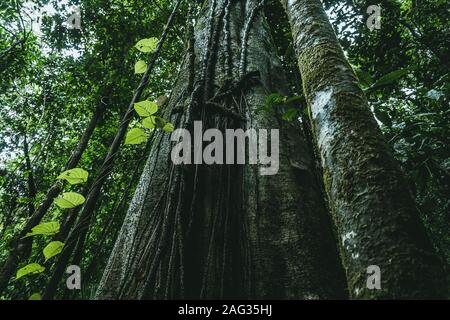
{"points": [[74, 176], [145, 108], [140, 67], [136, 136], [35, 296], [273, 99], [147, 45], [163, 124], [46, 229], [70, 200], [389, 78], [149, 122], [160, 122], [52, 249], [305, 111], [168, 127], [290, 114], [32, 268], [292, 99]]}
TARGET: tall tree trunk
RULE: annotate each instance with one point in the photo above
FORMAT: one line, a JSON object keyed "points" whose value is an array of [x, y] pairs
{"points": [[21, 248], [221, 231], [373, 209]]}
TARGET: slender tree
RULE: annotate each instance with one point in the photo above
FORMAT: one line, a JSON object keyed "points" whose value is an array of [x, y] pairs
{"points": [[375, 213]]}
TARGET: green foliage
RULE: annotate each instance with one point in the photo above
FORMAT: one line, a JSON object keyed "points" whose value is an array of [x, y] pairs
{"points": [[291, 114], [35, 296], [365, 79], [388, 79], [149, 123], [32, 268], [52, 84], [69, 200], [52, 249], [146, 108], [288, 105], [74, 176], [163, 124], [46, 229], [147, 45], [273, 99], [136, 136], [168, 127], [140, 67]]}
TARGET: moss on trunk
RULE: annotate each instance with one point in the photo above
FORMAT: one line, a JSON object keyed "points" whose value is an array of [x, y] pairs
{"points": [[372, 207]]}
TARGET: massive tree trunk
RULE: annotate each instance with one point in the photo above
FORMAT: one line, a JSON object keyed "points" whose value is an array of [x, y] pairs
{"points": [[373, 209], [225, 231]]}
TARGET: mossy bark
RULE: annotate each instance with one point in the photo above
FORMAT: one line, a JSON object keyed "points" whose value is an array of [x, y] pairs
{"points": [[224, 231], [374, 211]]}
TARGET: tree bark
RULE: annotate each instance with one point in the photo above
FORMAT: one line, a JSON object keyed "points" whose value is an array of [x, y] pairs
{"points": [[224, 231], [376, 217]]}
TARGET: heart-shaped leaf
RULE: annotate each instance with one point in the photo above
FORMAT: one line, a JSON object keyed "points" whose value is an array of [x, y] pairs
{"points": [[35, 296], [145, 108], [168, 127], [52, 249], [74, 176], [32, 268], [149, 122], [147, 45], [140, 67], [70, 200], [46, 229], [136, 136]]}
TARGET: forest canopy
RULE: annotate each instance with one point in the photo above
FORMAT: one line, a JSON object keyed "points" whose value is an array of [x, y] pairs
{"points": [[92, 93]]}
